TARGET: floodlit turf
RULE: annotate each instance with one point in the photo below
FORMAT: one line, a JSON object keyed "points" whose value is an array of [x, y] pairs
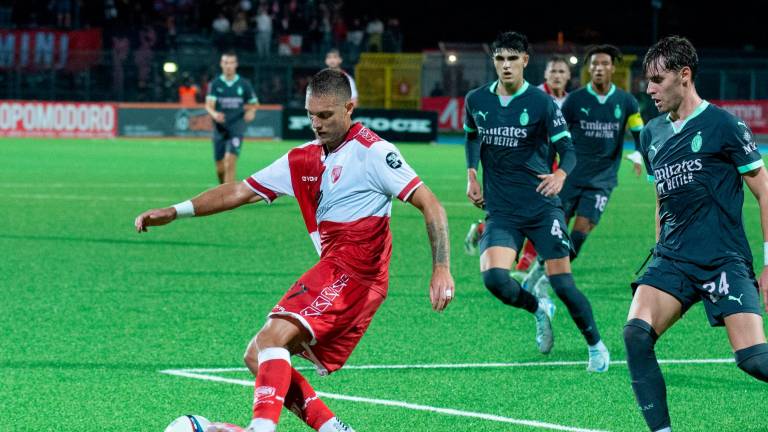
{"points": [[91, 312]]}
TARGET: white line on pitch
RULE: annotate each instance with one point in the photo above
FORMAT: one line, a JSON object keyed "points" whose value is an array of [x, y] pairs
{"points": [[399, 404], [471, 365]]}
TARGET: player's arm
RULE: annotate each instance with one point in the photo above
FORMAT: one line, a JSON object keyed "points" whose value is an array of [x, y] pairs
{"points": [[441, 288], [221, 198], [551, 184], [757, 180], [472, 152], [210, 106], [250, 105], [635, 125]]}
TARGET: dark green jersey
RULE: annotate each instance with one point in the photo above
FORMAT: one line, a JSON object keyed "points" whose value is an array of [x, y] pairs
{"points": [[515, 135], [231, 98], [597, 124], [696, 167]]}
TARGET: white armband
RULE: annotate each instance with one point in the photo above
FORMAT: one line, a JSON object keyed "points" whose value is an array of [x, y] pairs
{"points": [[184, 209], [765, 254], [635, 157]]}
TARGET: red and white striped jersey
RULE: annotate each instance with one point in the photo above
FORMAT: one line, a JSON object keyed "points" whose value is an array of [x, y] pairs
{"points": [[558, 100], [345, 198]]}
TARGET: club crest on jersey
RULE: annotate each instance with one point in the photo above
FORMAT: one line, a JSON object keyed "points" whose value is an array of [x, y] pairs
{"points": [[239, 91], [336, 173], [696, 142], [617, 112], [393, 160], [524, 117]]}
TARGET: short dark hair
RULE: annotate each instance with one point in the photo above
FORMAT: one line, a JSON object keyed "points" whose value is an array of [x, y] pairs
{"points": [[510, 40], [334, 51], [672, 53], [557, 58], [329, 82], [611, 50], [229, 53]]}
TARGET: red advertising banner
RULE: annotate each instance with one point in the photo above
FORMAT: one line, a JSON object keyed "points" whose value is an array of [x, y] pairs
{"points": [[49, 49], [753, 112], [450, 111], [58, 119]]}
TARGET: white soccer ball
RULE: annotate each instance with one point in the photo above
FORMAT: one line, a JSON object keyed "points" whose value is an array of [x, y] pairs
{"points": [[189, 423]]}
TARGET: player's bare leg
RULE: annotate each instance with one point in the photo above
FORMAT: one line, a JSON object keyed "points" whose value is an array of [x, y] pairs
{"points": [[230, 167], [495, 263], [745, 331], [581, 229], [652, 312], [561, 279], [220, 171]]}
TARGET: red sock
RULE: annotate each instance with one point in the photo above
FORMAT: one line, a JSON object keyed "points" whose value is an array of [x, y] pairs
{"points": [[303, 401], [529, 254], [272, 383]]}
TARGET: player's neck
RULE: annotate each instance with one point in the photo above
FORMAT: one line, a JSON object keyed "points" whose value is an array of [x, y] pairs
{"points": [[558, 93], [601, 89], [229, 77], [508, 89], [687, 106]]}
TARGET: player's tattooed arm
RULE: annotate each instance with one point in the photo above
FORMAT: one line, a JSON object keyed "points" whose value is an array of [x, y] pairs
{"points": [[441, 287]]}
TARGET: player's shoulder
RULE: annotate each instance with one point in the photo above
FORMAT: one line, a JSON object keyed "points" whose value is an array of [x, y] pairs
{"points": [[480, 91], [717, 114]]}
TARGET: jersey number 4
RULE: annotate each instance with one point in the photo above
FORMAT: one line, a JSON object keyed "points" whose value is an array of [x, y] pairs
{"points": [[556, 231]]}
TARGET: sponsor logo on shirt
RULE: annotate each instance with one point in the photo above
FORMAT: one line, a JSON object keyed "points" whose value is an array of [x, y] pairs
{"points": [[672, 176], [507, 136], [598, 129]]}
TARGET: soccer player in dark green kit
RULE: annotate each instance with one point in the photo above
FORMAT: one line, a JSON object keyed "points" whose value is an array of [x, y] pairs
{"points": [[597, 116], [231, 102], [513, 129], [699, 157]]}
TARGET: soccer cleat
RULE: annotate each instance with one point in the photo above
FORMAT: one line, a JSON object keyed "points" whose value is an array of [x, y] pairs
{"points": [[545, 339], [335, 425], [473, 237], [535, 272], [541, 288], [599, 358], [519, 276]]}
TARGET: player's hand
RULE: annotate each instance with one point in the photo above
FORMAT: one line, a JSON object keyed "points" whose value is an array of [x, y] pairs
{"points": [[638, 168], [154, 217], [218, 117], [475, 193], [249, 116], [763, 282], [551, 184], [637, 162], [441, 289]]}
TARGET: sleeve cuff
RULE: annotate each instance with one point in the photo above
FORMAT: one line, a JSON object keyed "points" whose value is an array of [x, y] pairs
{"points": [[559, 136], [409, 189], [211, 98], [754, 165], [469, 129], [259, 189], [651, 179]]}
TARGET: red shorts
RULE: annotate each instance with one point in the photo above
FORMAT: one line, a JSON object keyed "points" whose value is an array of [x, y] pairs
{"points": [[335, 308]]}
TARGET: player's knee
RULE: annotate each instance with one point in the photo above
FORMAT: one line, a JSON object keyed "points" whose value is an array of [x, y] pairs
{"points": [[639, 338], [251, 355], [563, 285], [754, 361], [499, 283]]}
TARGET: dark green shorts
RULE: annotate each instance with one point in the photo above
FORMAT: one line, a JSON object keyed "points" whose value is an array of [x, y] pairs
{"points": [[725, 290], [586, 202], [547, 231]]}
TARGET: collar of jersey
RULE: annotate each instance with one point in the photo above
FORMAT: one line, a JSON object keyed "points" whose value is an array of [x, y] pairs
{"points": [[598, 96], [351, 133], [699, 109], [519, 91], [229, 83]]}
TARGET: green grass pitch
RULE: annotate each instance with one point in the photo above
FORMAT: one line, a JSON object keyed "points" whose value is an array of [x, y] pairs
{"points": [[91, 312]]}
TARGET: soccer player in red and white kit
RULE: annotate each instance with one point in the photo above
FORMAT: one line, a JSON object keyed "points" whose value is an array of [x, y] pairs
{"points": [[344, 182]]}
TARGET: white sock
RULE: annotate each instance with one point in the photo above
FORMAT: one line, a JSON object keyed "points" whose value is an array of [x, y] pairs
{"points": [[666, 429], [261, 425]]}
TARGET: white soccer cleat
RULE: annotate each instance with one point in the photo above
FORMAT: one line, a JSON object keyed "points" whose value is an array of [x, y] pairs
{"points": [[335, 425], [535, 272], [472, 239], [545, 339], [541, 288], [599, 358]]}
